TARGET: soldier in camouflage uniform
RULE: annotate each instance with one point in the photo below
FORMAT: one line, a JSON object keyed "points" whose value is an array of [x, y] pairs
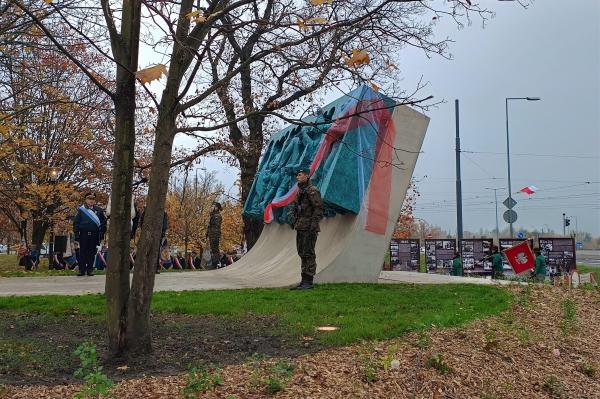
{"points": [[304, 215], [213, 233]]}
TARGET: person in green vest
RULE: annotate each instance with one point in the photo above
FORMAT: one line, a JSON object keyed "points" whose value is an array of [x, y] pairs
{"points": [[457, 269], [540, 266], [497, 264]]}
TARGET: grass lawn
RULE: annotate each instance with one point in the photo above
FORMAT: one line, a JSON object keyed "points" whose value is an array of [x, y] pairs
{"points": [[40, 333], [588, 269], [9, 267]]}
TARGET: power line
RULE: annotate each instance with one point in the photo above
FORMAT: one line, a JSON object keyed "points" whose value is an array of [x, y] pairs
{"points": [[452, 179], [476, 164], [534, 155]]}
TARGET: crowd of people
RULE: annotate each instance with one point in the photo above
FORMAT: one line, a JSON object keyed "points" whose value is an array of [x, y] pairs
{"points": [[85, 250], [538, 273]]}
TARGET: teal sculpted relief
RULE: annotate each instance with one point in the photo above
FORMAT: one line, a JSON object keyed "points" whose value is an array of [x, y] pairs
{"points": [[339, 146]]}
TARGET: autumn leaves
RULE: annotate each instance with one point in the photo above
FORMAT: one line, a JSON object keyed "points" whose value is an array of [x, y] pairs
{"points": [[356, 59], [152, 73]]}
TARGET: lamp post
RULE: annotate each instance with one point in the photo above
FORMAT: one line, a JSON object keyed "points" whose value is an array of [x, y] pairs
{"points": [[508, 149], [53, 175]]}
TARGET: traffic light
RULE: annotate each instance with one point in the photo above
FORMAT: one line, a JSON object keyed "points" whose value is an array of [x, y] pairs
{"points": [[567, 222]]}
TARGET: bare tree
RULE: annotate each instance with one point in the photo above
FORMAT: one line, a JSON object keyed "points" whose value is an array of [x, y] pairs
{"points": [[288, 53], [250, 59]]}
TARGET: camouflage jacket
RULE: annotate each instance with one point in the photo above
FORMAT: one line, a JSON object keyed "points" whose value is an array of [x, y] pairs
{"points": [[214, 225], [306, 211]]}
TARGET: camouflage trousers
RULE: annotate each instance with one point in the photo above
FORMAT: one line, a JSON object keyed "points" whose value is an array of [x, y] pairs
{"points": [[305, 244], [215, 255]]}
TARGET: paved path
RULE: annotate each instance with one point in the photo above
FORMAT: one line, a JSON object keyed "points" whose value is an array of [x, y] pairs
{"points": [[212, 280], [589, 257]]}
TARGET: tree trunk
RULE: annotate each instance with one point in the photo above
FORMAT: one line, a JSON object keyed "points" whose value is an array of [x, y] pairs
{"points": [[252, 230], [139, 336], [125, 49], [252, 227], [117, 272], [38, 233], [23, 231]]}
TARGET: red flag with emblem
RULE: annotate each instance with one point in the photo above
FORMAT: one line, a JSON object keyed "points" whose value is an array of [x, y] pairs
{"points": [[520, 257]]}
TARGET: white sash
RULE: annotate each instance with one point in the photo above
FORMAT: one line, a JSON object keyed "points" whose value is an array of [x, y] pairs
{"points": [[90, 214]]}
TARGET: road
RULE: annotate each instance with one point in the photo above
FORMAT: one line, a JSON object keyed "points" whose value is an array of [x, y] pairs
{"points": [[589, 257]]}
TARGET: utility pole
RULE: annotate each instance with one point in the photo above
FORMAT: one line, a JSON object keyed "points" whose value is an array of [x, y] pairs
{"points": [[564, 225], [496, 202], [459, 221]]}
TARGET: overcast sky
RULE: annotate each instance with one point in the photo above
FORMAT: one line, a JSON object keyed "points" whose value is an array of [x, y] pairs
{"points": [[550, 50]]}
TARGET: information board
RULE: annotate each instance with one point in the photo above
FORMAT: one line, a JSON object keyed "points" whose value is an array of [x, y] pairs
{"points": [[475, 253], [405, 254], [439, 254], [506, 243], [559, 253]]}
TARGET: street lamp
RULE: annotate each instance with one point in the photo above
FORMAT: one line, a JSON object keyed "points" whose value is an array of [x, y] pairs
{"points": [[510, 200], [53, 175]]}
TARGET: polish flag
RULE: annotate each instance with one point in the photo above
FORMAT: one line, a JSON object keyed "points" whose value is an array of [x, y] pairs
{"points": [[520, 257], [528, 190]]}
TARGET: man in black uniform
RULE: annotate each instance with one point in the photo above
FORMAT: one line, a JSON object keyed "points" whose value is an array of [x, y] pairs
{"points": [[138, 222], [89, 227], [213, 233], [304, 215]]}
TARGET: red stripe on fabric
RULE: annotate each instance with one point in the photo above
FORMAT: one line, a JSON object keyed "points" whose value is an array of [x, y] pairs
{"points": [[380, 188], [357, 116]]}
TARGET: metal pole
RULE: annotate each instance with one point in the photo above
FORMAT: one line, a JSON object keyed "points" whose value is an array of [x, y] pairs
{"points": [[508, 164], [459, 221], [564, 225], [496, 200]]}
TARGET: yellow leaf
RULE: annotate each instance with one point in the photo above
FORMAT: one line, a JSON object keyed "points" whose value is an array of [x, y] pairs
{"points": [[152, 73], [123, 368], [35, 31], [359, 57], [317, 21], [301, 24], [196, 16], [320, 2], [374, 86], [48, 1]]}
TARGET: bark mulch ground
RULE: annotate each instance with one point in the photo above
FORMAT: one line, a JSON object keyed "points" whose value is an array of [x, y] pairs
{"points": [[546, 346]]}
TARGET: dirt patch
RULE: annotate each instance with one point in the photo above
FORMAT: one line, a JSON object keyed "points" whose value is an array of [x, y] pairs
{"points": [[38, 349], [545, 346]]}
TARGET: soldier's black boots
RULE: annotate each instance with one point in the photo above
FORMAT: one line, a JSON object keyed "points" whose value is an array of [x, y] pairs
{"points": [[305, 284]]}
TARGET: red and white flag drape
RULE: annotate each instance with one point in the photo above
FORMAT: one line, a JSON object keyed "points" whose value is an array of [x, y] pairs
{"points": [[529, 190]]}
